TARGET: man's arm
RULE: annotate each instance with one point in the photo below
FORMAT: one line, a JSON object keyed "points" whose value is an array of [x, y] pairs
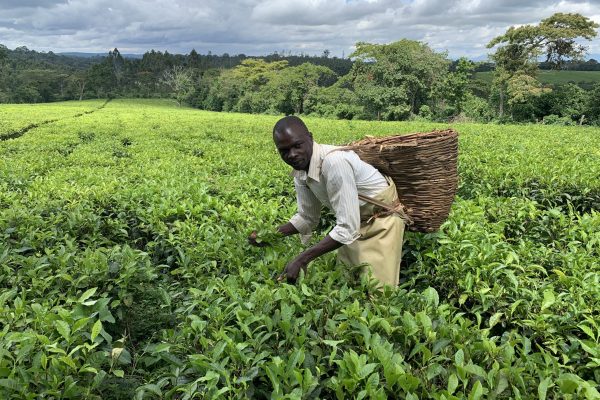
{"points": [[292, 270], [287, 229], [284, 230]]}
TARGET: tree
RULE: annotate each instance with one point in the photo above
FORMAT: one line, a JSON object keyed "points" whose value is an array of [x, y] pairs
{"points": [[395, 79], [456, 85], [382, 102], [554, 37], [519, 49], [101, 80], [3, 53], [593, 105], [118, 65], [194, 59], [79, 81], [295, 83], [4, 74], [257, 72], [180, 81], [334, 101], [225, 92], [244, 88], [521, 90], [566, 100]]}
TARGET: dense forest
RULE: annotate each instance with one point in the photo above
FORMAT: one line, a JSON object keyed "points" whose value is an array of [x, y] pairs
{"points": [[396, 81]]}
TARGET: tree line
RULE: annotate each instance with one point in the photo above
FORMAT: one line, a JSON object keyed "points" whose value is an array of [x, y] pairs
{"points": [[402, 80]]}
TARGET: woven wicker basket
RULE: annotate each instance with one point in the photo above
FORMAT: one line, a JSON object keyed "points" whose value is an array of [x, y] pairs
{"points": [[424, 168]]}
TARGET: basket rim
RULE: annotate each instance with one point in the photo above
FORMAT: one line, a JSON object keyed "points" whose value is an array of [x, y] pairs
{"points": [[410, 139]]}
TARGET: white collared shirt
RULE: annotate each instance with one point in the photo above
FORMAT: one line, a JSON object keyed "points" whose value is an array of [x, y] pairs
{"points": [[334, 181]]}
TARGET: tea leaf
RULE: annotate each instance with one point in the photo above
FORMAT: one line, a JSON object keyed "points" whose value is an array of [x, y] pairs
{"points": [[96, 330], [549, 299], [543, 388], [452, 383], [87, 294], [63, 328]]}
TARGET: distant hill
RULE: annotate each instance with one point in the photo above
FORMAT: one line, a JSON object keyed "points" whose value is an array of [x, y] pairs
{"points": [[24, 58]]}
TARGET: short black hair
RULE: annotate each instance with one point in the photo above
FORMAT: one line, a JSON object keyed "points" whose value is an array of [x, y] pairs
{"points": [[290, 122]]}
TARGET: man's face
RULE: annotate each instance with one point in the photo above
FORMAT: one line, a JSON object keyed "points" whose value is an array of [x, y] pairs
{"points": [[295, 148]]}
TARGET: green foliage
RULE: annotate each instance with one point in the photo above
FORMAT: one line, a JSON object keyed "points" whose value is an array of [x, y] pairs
{"points": [[394, 80], [256, 86], [522, 88], [385, 82], [516, 57], [30, 76], [131, 277], [336, 101], [293, 85], [553, 119], [455, 88], [555, 37], [593, 105], [257, 72], [477, 109], [425, 112], [567, 101]]}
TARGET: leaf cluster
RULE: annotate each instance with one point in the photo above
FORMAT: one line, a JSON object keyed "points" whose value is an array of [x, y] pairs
{"points": [[131, 277]]}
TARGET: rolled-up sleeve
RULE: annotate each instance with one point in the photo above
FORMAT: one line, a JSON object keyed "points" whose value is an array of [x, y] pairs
{"points": [[309, 209], [343, 196]]}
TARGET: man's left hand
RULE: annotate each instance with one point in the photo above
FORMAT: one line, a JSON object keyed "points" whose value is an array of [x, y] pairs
{"points": [[292, 270]]}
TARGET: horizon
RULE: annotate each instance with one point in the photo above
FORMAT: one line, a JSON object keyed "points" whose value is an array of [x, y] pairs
{"points": [[283, 54]]}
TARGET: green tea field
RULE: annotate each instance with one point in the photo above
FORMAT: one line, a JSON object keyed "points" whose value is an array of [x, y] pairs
{"points": [[125, 270], [584, 78]]}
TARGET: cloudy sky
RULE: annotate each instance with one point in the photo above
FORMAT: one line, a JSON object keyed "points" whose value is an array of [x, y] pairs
{"points": [[257, 27]]}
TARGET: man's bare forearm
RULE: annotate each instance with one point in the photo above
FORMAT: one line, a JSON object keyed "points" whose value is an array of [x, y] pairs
{"points": [[326, 245], [287, 229]]}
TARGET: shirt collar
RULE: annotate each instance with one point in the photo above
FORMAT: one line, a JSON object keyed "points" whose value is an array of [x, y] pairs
{"points": [[314, 168]]}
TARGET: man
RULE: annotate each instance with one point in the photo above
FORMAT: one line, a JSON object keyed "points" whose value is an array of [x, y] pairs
{"points": [[364, 233]]}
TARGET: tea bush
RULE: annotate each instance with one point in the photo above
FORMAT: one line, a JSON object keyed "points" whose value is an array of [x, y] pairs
{"points": [[125, 270]]}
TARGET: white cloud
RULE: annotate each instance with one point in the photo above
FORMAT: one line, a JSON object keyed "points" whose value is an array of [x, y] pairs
{"points": [[260, 27]]}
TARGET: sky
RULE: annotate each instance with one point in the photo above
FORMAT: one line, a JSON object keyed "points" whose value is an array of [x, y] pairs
{"points": [[252, 27]]}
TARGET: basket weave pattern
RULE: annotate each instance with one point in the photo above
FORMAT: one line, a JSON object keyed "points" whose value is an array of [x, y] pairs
{"points": [[424, 169]]}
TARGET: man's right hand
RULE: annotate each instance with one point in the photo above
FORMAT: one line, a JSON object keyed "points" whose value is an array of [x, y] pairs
{"points": [[255, 241]]}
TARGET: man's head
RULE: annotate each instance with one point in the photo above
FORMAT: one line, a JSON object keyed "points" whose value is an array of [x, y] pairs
{"points": [[294, 142]]}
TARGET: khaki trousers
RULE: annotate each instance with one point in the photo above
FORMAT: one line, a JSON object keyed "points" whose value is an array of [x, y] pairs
{"points": [[379, 247]]}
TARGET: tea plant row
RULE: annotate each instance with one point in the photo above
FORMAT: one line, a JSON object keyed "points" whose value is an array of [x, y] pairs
{"points": [[125, 270]]}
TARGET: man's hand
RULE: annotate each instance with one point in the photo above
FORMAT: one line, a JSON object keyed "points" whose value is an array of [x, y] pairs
{"points": [[267, 236], [255, 241], [292, 270]]}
